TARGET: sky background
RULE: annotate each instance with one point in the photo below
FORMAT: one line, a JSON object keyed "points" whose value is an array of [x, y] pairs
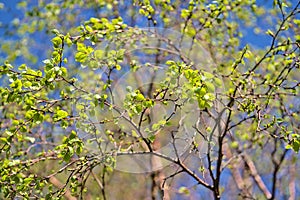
{"points": [[9, 12]]}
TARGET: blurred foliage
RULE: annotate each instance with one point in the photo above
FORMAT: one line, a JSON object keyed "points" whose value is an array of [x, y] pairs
{"points": [[75, 97]]}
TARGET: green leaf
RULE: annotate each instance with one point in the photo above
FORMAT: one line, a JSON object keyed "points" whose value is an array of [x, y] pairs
{"points": [[30, 139], [57, 41], [16, 85], [218, 82], [60, 114], [234, 145], [99, 54], [69, 41], [200, 91], [27, 84], [151, 138], [22, 67], [55, 31], [118, 67], [139, 97], [208, 75], [184, 190], [89, 29], [81, 47], [81, 57], [73, 135], [210, 86], [201, 103], [269, 32], [67, 157]]}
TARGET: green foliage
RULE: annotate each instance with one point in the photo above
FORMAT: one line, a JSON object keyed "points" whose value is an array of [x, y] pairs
{"points": [[204, 103]]}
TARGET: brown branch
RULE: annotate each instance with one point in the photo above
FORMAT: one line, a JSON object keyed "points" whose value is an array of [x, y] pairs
{"points": [[234, 161], [292, 185], [59, 185], [97, 180], [234, 169], [178, 162], [256, 176]]}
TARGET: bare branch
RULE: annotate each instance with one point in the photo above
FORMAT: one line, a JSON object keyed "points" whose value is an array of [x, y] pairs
{"points": [[256, 176]]}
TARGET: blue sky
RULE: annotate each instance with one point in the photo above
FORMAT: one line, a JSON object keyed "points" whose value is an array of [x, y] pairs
{"points": [[262, 40], [9, 13]]}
